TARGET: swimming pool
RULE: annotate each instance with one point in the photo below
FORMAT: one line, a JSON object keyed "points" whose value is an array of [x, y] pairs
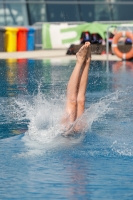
{"points": [[36, 162]]}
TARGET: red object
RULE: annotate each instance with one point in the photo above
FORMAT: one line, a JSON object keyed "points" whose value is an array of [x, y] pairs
{"points": [[115, 49], [22, 72], [22, 39]]}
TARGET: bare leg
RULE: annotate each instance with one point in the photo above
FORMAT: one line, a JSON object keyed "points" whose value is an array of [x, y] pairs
{"points": [[73, 84], [83, 85], [77, 85], [81, 123]]}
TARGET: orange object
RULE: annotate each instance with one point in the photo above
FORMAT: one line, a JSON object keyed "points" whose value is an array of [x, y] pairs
{"points": [[115, 49], [22, 39], [122, 65]]}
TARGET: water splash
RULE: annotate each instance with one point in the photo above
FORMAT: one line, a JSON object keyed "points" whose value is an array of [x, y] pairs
{"points": [[44, 115]]}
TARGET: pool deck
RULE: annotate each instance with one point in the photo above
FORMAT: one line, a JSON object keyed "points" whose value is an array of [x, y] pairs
{"points": [[51, 54]]}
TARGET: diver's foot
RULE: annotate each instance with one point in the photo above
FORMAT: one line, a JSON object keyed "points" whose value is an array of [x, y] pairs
{"points": [[88, 55], [82, 53]]}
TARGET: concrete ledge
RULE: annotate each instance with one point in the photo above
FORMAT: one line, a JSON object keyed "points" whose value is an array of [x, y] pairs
{"points": [[48, 54]]}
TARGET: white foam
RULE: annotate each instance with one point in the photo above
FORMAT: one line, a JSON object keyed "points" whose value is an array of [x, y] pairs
{"points": [[44, 115]]}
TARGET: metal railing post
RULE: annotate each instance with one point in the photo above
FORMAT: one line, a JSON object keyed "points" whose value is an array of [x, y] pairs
{"points": [[107, 46]]}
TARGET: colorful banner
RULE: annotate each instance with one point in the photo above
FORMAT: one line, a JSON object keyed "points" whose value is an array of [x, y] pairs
{"points": [[64, 34]]}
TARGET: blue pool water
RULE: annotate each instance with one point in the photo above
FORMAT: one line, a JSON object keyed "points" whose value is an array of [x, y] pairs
{"points": [[36, 162]]}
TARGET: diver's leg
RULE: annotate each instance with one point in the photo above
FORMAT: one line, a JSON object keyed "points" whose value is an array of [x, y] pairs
{"points": [[83, 85], [81, 123], [73, 84]]}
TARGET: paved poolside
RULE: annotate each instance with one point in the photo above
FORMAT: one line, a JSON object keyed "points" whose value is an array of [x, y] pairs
{"points": [[56, 53]]}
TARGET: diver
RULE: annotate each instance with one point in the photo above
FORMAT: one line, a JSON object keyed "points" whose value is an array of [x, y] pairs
{"points": [[76, 90]]}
